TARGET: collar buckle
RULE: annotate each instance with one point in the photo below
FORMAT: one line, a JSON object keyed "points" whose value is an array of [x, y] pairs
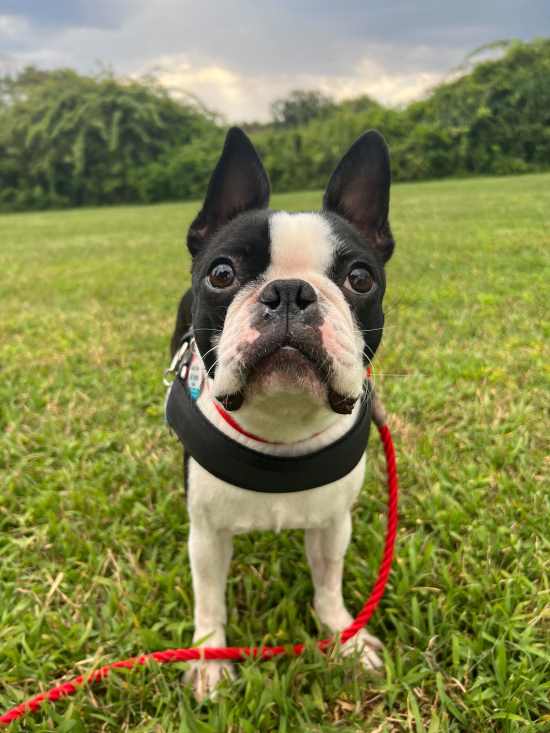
{"points": [[180, 362]]}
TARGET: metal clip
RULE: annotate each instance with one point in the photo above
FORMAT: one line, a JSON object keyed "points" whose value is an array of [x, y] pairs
{"points": [[180, 361]]}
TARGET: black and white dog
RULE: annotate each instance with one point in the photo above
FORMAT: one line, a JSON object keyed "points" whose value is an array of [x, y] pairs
{"points": [[286, 311]]}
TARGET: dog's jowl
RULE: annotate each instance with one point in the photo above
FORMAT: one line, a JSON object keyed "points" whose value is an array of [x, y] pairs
{"points": [[286, 314]]}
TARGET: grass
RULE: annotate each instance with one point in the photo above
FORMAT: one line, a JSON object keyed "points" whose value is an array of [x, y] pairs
{"points": [[93, 559]]}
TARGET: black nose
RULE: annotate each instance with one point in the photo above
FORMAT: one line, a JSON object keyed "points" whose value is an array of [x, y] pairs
{"points": [[288, 296]]}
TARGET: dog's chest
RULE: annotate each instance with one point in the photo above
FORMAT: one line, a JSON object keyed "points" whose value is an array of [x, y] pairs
{"points": [[227, 507]]}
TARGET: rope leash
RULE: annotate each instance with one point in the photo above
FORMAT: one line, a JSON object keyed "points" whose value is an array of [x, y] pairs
{"points": [[237, 653]]}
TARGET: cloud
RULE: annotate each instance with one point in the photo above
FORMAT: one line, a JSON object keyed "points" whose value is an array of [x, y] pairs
{"points": [[11, 26], [322, 37], [248, 96], [68, 13], [238, 55]]}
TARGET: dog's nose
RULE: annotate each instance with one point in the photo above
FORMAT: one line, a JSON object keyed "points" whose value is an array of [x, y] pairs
{"points": [[288, 296]]}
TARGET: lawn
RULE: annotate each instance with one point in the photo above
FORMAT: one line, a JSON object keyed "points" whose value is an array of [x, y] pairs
{"points": [[93, 525]]}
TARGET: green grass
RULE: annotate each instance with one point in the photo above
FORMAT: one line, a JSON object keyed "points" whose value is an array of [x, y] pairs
{"points": [[93, 526]]}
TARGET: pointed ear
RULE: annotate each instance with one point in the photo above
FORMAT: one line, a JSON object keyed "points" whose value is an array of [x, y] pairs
{"points": [[359, 190], [239, 183]]}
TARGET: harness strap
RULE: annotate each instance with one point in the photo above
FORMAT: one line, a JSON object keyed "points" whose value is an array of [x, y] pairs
{"points": [[249, 469]]}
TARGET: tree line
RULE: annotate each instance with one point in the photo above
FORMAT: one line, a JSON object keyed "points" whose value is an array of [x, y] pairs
{"points": [[69, 140]]}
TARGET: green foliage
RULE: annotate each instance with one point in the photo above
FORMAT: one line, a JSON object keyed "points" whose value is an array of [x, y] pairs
{"points": [[493, 120], [180, 172], [300, 107], [71, 139], [303, 157], [497, 117], [93, 525], [67, 139]]}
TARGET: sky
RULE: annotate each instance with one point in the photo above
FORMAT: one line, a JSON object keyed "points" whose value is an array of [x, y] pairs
{"points": [[238, 56]]}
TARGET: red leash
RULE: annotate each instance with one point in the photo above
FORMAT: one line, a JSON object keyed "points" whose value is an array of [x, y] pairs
{"points": [[239, 653]]}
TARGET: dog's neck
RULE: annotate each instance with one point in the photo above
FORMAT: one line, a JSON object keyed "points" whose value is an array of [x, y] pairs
{"points": [[285, 417], [286, 426], [288, 423]]}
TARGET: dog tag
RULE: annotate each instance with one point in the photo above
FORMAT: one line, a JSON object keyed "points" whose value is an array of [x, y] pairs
{"points": [[194, 379]]}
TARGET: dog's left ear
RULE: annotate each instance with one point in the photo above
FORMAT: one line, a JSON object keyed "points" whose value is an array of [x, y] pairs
{"points": [[359, 190], [239, 183]]}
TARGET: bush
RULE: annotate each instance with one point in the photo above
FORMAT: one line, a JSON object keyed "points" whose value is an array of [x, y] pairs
{"points": [[71, 139]]}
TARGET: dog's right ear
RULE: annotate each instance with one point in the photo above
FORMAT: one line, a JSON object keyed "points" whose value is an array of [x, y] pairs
{"points": [[239, 183]]}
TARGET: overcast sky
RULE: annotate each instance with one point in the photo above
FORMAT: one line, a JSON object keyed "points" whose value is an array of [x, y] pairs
{"points": [[238, 56]]}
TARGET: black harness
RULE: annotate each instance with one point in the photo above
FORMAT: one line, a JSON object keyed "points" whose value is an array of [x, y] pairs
{"points": [[247, 468]]}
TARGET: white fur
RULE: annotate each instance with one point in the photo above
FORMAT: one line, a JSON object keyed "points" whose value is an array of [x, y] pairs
{"points": [[301, 245]]}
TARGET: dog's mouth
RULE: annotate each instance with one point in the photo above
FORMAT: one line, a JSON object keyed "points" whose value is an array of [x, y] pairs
{"points": [[297, 360], [289, 361], [287, 352]]}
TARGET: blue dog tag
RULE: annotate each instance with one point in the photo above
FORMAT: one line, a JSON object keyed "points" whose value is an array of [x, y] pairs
{"points": [[194, 379]]}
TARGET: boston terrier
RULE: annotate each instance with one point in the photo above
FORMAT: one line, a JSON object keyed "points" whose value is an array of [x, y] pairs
{"points": [[285, 312]]}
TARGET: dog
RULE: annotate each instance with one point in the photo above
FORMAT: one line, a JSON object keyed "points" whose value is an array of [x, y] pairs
{"points": [[286, 312]]}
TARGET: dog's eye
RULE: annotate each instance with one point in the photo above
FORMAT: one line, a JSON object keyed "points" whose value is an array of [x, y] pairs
{"points": [[359, 280], [221, 276]]}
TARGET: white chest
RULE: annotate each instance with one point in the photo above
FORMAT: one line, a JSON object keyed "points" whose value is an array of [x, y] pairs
{"points": [[227, 507]]}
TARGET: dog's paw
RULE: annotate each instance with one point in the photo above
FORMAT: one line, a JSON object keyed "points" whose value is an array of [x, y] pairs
{"points": [[366, 647], [204, 677]]}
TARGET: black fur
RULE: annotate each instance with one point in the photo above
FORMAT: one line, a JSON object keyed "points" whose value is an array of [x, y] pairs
{"points": [[239, 183], [245, 243], [366, 308], [183, 323], [183, 320], [359, 191]]}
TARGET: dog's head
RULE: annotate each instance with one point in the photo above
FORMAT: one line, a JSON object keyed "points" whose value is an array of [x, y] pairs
{"points": [[291, 301]]}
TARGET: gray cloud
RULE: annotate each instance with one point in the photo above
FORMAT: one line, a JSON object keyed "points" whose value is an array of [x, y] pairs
{"points": [[355, 41], [67, 13]]}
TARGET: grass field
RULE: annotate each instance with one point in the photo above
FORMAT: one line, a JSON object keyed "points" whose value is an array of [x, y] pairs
{"points": [[93, 559]]}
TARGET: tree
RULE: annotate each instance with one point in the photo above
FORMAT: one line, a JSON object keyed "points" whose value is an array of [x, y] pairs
{"points": [[300, 107]]}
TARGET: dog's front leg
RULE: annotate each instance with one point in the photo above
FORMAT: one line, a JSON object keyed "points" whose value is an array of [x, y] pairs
{"points": [[325, 550], [210, 555]]}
